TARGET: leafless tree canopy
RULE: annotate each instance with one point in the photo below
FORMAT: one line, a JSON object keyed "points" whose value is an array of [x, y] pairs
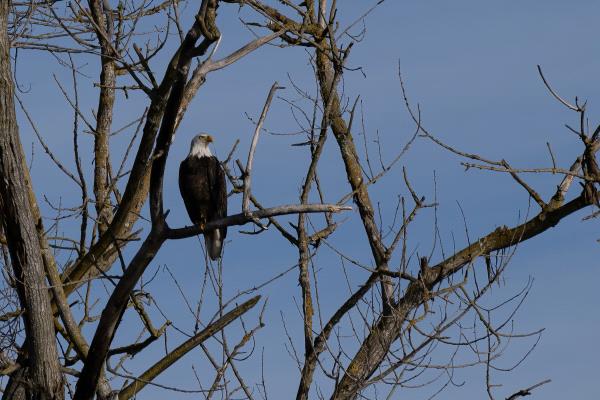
{"points": [[79, 277]]}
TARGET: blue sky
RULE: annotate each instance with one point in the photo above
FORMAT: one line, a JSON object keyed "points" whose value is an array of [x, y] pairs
{"points": [[471, 66]]}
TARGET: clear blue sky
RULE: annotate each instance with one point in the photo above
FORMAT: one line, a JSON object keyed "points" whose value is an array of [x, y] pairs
{"points": [[471, 66]]}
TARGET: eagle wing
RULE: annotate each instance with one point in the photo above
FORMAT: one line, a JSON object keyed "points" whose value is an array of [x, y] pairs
{"points": [[218, 193]]}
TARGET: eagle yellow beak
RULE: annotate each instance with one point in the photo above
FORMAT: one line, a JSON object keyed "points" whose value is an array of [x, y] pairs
{"points": [[209, 139]]}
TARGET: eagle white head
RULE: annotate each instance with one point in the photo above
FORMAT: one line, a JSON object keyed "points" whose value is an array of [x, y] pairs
{"points": [[199, 146]]}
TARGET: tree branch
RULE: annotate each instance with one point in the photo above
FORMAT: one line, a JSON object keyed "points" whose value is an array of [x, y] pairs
{"points": [[242, 218], [184, 348]]}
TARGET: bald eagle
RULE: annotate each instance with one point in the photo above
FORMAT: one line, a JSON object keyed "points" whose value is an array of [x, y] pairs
{"points": [[204, 192]]}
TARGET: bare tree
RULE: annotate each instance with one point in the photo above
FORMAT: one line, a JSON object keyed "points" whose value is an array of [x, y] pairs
{"points": [[407, 306]]}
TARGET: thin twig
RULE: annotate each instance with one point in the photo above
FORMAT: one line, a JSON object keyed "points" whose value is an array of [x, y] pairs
{"points": [[556, 96]]}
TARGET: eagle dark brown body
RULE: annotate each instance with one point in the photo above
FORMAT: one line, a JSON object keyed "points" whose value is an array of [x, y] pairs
{"points": [[204, 192]]}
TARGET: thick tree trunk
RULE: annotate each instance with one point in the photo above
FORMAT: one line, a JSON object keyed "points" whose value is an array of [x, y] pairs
{"points": [[43, 377]]}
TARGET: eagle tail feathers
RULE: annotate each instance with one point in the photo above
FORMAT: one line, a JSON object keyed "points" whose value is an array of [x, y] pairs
{"points": [[214, 244]]}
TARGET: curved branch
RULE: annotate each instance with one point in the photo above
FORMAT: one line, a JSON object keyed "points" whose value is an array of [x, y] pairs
{"points": [[527, 392]]}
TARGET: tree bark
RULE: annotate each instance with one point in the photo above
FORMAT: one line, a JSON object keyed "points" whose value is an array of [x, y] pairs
{"points": [[106, 101], [43, 379]]}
